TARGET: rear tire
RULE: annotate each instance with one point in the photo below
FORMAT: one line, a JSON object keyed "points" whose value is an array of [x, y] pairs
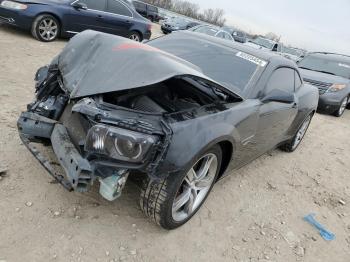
{"points": [[342, 107], [133, 35], [293, 144], [172, 201], [45, 28]]}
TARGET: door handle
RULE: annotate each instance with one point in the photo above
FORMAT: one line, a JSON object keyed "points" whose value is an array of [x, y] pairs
{"points": [[99, 16], [128, 22], [295, 105]]}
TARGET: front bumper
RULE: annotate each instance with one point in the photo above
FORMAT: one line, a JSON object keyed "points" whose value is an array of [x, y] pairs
{"points": [[18, 18], [166, 30], [329, 102], [78, 172]]}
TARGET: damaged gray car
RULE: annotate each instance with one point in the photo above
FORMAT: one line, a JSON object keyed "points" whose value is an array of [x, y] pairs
{"points": [[179, 112]]}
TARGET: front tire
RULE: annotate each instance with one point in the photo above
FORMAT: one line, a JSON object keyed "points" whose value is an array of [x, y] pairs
{"points": [[45, 28], [342, 107], [293, 144], [173, 201]]}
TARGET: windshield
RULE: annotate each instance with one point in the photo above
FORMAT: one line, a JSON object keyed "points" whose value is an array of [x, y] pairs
{"points": [[206, 30], [327, 65], [263, 42], [228, 66], [292, 51]]}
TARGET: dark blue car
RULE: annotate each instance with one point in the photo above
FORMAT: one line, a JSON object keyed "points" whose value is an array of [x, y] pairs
{"points": [[49, 19]]}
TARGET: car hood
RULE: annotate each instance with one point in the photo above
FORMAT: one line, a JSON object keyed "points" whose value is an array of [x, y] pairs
{"points": [[322, 77], [95, 63]]}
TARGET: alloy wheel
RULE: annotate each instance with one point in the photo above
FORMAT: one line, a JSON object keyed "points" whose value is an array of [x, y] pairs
{"points": [[48, 29], [135, 37], [195, 187], [343, 106]]}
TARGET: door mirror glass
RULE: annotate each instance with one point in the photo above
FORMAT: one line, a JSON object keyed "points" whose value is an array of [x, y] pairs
{"points": [[279, 96]]}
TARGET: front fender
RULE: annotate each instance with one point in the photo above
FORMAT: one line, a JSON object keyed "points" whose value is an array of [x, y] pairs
{"points": [[192, 138]]}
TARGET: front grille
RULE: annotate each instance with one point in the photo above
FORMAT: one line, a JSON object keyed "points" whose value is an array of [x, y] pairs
{"points": [[322, 86]]}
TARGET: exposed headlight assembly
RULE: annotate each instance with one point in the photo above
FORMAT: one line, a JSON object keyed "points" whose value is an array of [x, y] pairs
{"points": [[336, 87], [13, 5], [119, 143]]}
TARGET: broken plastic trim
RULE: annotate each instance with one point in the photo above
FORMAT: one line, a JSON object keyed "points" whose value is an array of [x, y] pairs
{"points": [[46, 163]]}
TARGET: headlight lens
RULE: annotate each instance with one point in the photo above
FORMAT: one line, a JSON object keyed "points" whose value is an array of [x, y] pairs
{"points": [[119, 143], [14, 5], [336, 87]]}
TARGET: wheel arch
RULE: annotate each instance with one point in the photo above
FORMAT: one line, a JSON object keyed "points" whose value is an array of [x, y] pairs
{"points": [[59, 20]]}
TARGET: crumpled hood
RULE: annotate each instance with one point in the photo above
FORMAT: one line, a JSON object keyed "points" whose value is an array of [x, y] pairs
{"points": [[95, 63], [322, 77]]}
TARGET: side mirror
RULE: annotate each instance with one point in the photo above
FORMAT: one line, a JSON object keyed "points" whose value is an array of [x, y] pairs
{"points": [[79, 5], [279, 96]]}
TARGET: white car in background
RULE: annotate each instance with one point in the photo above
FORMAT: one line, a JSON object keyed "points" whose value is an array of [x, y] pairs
{"points": [[212, 31]]}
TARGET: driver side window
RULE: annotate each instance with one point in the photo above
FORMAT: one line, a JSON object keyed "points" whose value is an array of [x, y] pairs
{"points": [[282, 79], [99, 5]]}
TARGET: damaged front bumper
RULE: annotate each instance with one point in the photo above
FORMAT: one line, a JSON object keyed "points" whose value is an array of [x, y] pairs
{"points": [[79, 170]]}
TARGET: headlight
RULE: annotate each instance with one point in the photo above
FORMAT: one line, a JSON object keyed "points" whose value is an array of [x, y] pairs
{"points": [[119, 143], [336, 87], [13, 5]]}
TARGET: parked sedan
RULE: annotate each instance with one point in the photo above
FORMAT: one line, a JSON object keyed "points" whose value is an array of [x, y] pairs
{"points": [[212, 31], [330, 73], [265, 44], [176, 24], [202, 108], [49, 19], [238, 36]]}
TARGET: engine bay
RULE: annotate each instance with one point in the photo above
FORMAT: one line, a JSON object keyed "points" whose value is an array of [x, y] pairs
{"points": [[170, 96]]}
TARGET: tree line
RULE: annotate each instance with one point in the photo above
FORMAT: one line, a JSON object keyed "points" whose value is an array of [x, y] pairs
{"points": [[186, 8]]}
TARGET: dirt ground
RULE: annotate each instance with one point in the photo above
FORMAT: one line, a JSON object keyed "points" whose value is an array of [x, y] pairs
{"points": [[253, 215]]}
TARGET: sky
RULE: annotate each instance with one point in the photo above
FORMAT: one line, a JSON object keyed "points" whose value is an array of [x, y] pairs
{"points": [[317, 25]]}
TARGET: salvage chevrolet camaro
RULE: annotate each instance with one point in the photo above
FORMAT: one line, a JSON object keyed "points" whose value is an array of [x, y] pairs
{"points": [[179, 111]]}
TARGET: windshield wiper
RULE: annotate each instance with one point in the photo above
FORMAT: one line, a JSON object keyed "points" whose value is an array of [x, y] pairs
{"points": [[325, 72], [306, 68]]}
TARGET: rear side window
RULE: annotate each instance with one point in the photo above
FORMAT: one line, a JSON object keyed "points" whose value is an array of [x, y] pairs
{"points": [[139, 5], [118, 8], [282, 79], [298, 81], [152, 8], [227, 36], [99, 5], [221, 35]]}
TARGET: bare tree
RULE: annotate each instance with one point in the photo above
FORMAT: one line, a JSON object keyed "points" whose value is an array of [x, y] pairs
{"points": [[214, 16], [185, 8]]}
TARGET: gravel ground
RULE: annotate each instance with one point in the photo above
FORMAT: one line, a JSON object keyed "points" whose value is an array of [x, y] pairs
{"points": [[253, 215]]}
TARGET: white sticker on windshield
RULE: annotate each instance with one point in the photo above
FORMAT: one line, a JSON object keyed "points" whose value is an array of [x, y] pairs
{"points": [[344, 65], [252, 59]]}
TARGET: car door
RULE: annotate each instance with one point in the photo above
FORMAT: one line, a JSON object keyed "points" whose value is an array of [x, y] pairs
{"points": [[82, 19], [276, 117], [117, 19]]}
